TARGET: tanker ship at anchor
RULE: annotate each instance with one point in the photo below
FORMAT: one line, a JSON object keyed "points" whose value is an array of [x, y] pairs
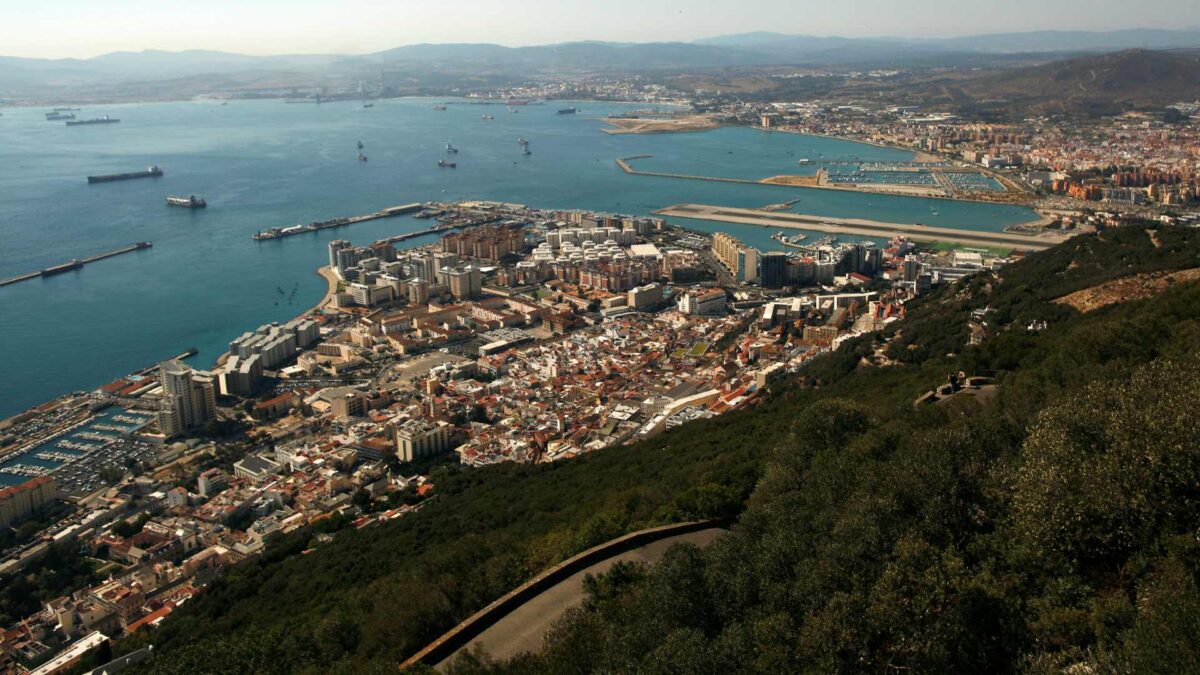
{"points": [[99, 120], [152, 172]]}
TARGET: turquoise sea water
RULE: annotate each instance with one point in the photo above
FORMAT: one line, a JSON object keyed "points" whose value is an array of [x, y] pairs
{"points": [[266, 163]]}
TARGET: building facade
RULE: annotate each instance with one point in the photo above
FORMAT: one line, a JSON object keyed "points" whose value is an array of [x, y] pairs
{"points": [[741, 260], [419, 438], [189, 399], [19, 501]]}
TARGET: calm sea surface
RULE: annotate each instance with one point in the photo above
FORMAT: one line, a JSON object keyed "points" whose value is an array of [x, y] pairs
{"points": [[266, 163]]}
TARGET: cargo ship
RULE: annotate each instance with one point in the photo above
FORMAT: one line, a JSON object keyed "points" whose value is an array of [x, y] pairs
{"points": [[152, 172], [65, 109], [568, 111], [56, 116], [73, 264], [97, 120], [189, 202]]}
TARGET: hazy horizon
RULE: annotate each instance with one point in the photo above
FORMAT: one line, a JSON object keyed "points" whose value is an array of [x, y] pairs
{"points": [[275, 27]]}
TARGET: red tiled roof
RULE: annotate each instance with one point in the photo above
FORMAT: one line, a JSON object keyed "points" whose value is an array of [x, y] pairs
{"points": [[150, 618], [23, 487]]}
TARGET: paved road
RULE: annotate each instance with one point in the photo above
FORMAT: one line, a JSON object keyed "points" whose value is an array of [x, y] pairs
{"points": [[860, 227], [522, 630]]}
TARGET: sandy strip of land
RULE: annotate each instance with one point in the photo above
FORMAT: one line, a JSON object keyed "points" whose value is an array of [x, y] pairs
{"points": [[332, 281], [659, 125], [794, 181], [864, 228]]}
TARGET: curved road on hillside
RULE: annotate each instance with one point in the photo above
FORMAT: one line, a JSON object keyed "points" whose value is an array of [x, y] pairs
{"points": [[523, 629]]}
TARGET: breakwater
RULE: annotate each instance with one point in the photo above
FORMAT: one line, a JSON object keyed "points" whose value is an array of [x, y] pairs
{"points": [[281, 232], [74, 264]]}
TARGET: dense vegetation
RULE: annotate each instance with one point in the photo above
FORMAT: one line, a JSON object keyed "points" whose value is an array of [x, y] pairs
{"points": [[369, 598], [60, 570], [1052, 524]]}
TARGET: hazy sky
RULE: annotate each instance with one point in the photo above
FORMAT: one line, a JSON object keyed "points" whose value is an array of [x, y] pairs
{"points": [[82, 28]]}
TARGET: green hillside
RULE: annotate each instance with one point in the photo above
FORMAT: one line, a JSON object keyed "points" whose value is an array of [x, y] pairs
{"points": [[1051, 524]]}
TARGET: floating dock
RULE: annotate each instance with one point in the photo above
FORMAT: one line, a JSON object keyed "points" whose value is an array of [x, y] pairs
{"points": [[75, 264], [281, 232]]}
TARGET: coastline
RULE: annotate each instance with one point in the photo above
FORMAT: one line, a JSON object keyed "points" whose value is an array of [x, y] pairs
{"points": [[783, 181], [331, 288], [152, 355], [1011, 187], [918, 155], [217, 99]]}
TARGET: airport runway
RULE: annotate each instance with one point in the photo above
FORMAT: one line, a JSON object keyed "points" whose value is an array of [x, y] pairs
{"points": [[863, 228]]}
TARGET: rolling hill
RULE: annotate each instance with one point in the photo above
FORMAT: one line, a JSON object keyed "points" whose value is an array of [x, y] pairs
{"points": [[102, 77], [1000, 43], [1134, 79]]}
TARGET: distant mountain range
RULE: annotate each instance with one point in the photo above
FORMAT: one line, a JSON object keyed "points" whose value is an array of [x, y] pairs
{"points": [[425, 65], [804, 47]]}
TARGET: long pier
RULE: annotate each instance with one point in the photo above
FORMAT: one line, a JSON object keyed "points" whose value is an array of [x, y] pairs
{"points": [[75, 264], [281, 232], [863, 228], [624, 164]]}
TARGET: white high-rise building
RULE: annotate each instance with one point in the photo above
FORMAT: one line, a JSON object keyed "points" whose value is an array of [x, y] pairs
{"points": [[335, 246], [189, 399]]}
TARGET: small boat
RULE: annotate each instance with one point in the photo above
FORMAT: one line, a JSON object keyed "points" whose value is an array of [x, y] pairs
{"points": [[451, 149], [368, 105], [439, 107], [362, 157], [360, 145], [488, 117], [528, 151], [447, 165]]}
